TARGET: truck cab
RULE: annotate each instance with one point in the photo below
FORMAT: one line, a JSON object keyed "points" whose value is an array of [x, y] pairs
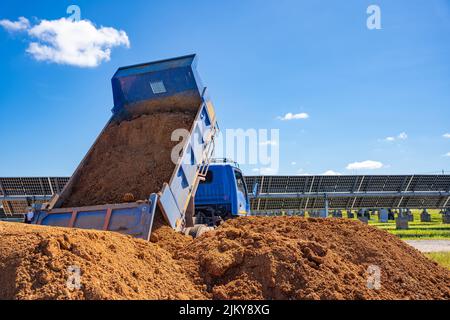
{"points": [[222, 195]]}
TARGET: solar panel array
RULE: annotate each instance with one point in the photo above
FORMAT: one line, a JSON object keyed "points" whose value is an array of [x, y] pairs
{"points": [[323, 184], [310, 191], [31, 186], [25, 189]]}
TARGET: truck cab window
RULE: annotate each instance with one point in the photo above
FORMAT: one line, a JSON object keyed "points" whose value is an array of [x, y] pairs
{"points": [[240, 182]]}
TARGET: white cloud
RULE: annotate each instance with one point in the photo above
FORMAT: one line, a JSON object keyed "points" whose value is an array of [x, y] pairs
{"points": [[365, 165], [446, 135], [447, 154], [14, 26], [70, 42], [77, 43], [292, 116], [400, 136], [331, 173], [293, 163]]}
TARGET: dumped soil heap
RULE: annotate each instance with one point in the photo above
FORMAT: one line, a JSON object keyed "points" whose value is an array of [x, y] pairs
{"points": [[130, 157], [35, 262], [246, 258], [298, 258]]}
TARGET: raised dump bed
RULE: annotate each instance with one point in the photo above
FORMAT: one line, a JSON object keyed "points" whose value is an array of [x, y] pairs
{"points": [[141, 163]]}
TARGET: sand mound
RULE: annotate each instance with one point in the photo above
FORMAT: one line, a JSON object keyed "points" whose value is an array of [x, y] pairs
{"points": [[246, 258], [34, 264], [297, 258], [130, 157]]}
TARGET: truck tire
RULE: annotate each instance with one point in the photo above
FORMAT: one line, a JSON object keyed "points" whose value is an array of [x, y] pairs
{"points": [[197, 230]]}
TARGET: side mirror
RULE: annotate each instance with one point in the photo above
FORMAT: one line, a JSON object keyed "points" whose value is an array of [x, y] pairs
{"points": [[255, 191]]}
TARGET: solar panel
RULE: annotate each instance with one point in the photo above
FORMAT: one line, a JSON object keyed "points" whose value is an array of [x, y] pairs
{"points": [[376, 191], [21, 192], [286, 192]]}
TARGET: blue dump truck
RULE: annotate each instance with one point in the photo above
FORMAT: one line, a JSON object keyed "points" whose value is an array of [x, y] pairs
{"points": [[147, 89], [222, 194]]}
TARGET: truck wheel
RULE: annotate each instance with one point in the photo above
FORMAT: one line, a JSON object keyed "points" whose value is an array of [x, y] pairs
{"points": [[197, 230]]}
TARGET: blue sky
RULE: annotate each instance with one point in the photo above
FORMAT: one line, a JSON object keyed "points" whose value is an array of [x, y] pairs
{"points": [[260, 60]]}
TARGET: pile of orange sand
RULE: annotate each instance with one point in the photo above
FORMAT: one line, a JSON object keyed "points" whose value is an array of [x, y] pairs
{"points": [[245, 258]]}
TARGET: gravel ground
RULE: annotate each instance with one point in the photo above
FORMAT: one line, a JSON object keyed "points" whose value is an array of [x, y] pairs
{"points": [[430, 245]]}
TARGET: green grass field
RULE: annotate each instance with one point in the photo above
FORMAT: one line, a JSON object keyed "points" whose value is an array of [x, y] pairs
{"points": [[443, 258], [434, 230]]}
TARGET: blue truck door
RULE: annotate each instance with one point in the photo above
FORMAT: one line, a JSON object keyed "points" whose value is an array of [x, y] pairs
{"points": [[242, 196]]}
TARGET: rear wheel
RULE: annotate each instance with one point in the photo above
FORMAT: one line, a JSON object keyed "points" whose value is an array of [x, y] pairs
{"points": [[197, 230], [211, 218]]}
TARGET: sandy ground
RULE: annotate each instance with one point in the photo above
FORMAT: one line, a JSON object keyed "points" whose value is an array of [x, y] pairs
{"points": [[427, 246]]}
